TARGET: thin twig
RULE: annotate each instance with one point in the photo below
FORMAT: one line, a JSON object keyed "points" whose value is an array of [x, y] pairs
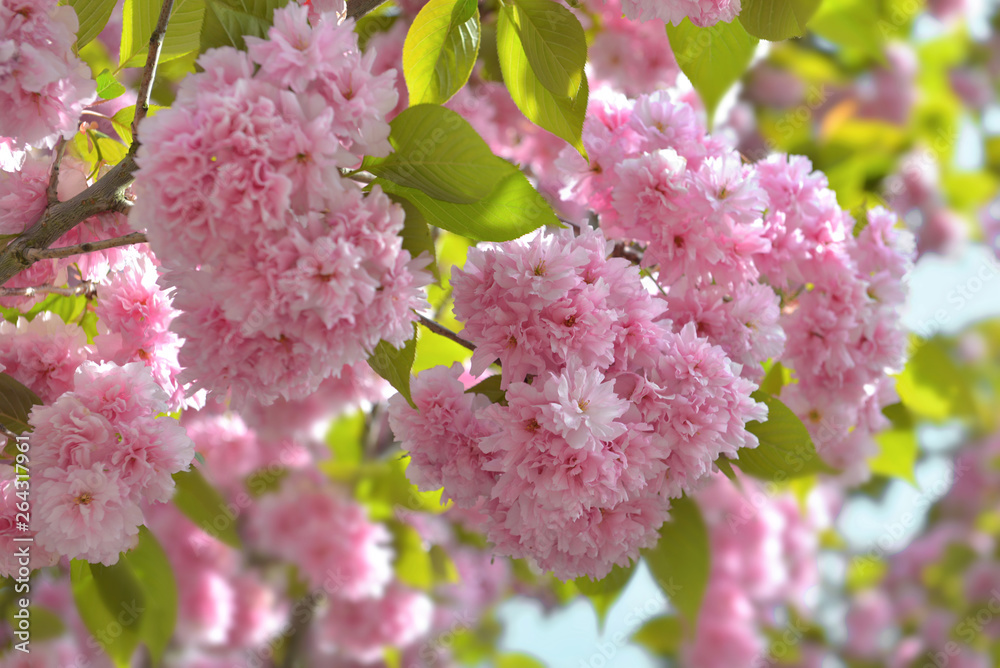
{"points": [[52, 192], [86, 289], [149, 71], [37, 254], [445, 332]]}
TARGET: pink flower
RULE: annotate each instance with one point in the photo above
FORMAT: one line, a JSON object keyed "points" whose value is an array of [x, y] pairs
{"points": [[361, 629], [347, 556], [10, 561], [43, 85], [86, 513], [43, 354], [442, 435]]}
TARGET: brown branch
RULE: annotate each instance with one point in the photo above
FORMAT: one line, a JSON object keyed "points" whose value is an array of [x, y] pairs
{"points": [[445, 332], [52, 191], [86, 289], [36, 254], [107, 194], [358, 8], [149, 71]]}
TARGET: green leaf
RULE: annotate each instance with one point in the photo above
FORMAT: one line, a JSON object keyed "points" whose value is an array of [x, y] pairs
{"points": [[562, 115], [851, 24], [227, 22], [16, 401], [93, 15], [490, 70], [777, 377], [680, 561], [785, 451], [132, 601], [203, 505], [490, 388], [436, 151], [604, 592], [660, 635], [554, 43], [108, 87], [152, 569], [344, 438], [394, 364], [713, 58], [932, 386], [897, 455], [512, 210], [183, 30], [413, 565], [776, 20], [122, 123], [111, 604], [440, 50]]}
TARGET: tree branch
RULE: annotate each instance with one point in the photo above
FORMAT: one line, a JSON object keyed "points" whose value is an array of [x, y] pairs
{"points": [[36, 254], [149, 71], [107, 194], [358, 8], [86, 289], [51, 193], [445, 332]]}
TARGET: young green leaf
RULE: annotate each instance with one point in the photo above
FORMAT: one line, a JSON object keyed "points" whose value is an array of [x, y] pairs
{"points": [[776, 20], [93, 15], [554, 43], [436, 151], [562, 115], [680, 561], [203, 505], [490, 388], [108, 87], [785, 451], [132, 601], [512, 210], [932, 385], [713, 58], [16, 401], [111, 603], [660, 635], [440, 50], [152, 569], [394, 364], [227, 22], [139, 21]]}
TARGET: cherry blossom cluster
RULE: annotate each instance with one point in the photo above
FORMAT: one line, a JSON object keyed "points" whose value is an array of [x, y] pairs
{"points": [[285, 271], [43, 84], [100, 454], [608, 412], [758, 257], [764, 556]]}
